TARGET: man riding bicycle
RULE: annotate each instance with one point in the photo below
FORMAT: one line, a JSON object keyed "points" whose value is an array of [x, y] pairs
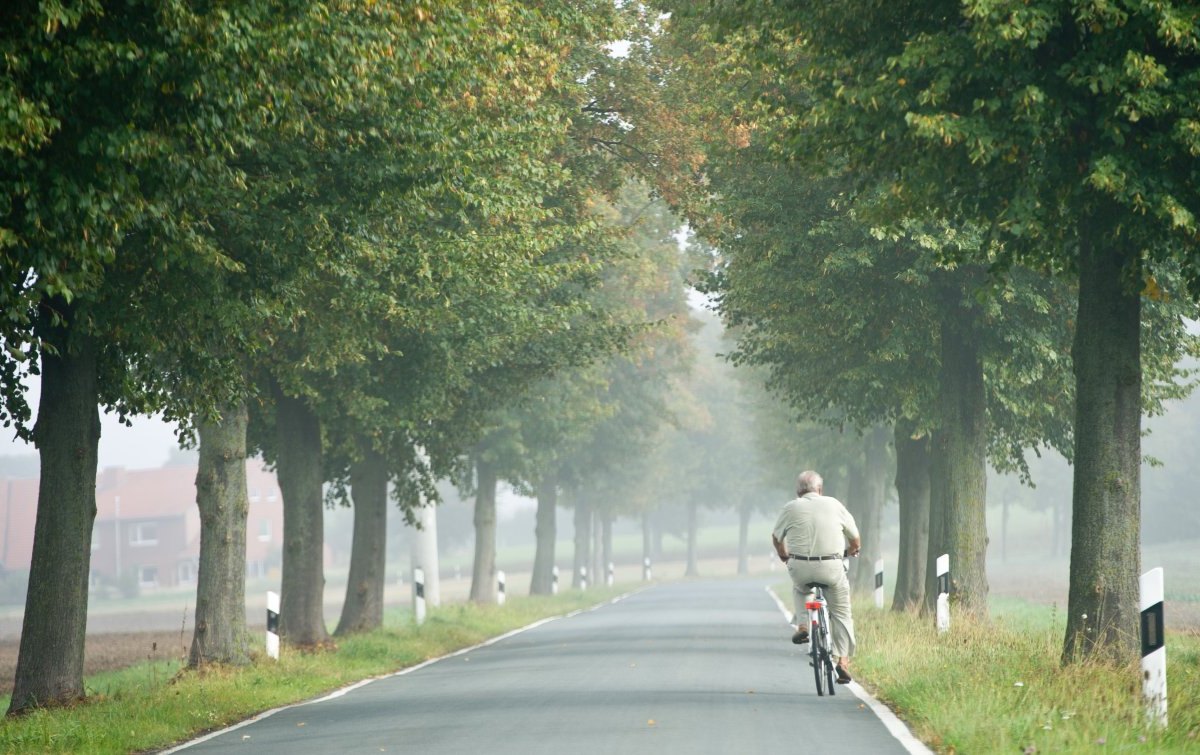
{"points": [[810, 536]]}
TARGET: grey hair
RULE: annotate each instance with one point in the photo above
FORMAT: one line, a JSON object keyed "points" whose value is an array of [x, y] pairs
{"points": [[809, 482]]}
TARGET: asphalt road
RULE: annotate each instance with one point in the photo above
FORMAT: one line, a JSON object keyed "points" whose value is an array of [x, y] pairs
{"points": [[692, 667]]}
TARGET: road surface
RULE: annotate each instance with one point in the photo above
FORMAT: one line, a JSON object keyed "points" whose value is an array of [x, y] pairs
{"points": [[691, 667]]}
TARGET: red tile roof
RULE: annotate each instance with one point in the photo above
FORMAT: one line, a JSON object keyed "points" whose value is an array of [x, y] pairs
{"points": [[140, 494]]}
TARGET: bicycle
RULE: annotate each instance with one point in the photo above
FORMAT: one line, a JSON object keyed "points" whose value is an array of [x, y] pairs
{"points": [[820, 651], [820, 657]]}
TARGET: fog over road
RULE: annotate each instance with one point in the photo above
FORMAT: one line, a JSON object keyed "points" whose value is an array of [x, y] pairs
{"points": [[691, 667]]}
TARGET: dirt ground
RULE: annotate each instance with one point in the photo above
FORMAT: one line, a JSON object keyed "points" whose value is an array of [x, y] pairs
{"points": [[105, 652]]}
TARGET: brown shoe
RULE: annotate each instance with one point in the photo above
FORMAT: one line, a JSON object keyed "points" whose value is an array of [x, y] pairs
{"points": [[843, 674], [800, 637]]}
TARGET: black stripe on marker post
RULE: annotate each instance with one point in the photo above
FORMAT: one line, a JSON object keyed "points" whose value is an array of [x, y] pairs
{"points": [[1152, 629], [878, 580], [272, 622]]}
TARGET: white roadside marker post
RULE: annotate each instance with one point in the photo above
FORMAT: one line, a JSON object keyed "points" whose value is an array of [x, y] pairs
{"points": [[646, 569], [943, 594], [1154, 653], [879, 583], [500, 597], [583, 578], [554, 580], [419, 595], [611, 574], [273, 624]]}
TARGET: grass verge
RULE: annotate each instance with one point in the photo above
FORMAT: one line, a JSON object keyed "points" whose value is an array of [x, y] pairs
{"points": [[154, 705], [997, 686]]}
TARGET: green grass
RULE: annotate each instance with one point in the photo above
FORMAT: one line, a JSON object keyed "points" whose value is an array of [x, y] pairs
{"points": [[997, 686], [156, 704]]}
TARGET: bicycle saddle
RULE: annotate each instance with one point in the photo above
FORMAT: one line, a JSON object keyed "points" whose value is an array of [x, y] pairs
{"points": [[821, 585]]}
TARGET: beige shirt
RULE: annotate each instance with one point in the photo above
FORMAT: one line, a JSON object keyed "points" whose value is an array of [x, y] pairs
{"points": [[815, 525]]}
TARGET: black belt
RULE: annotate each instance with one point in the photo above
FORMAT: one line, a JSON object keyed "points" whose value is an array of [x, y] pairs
{"points": [[813, 558]]}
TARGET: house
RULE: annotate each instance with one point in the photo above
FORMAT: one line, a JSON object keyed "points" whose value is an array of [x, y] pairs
{"points": [[18, 511], [147, 526]]}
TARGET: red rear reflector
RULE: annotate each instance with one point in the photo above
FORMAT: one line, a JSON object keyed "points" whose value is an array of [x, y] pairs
{"points": [[812, 606]]}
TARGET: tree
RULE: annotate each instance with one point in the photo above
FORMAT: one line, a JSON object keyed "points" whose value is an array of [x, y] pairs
{"points": [[113, 112]]}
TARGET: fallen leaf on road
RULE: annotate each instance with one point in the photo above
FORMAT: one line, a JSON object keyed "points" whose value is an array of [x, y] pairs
{"points": [[650, 722]]}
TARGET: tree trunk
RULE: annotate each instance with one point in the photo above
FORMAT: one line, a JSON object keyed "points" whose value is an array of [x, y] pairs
{"points": [[855, 501], [362, 610], [837, 483], [1102, 616], [656, 538], [542, 581], [1059, 516], [597, 567], [960, 458], [693, 525], [583, 541], [302, 589], [606, 539], [936, 545], [912, 490], [744, 513], [647, 542], [221, 635], [483, 575], [1004, 530], [875, 474], [67, 433]]}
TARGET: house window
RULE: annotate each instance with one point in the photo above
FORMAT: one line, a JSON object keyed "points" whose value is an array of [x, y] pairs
{"points": [[95, 540], [144, 533], [264, 530], [254, 497], [147, 576]]}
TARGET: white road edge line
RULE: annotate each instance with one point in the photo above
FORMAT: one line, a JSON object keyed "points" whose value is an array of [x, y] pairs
{"points": [[890, 720], [351, 687]]}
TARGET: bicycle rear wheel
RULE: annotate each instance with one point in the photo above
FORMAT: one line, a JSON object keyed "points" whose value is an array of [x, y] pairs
{"points": [[827, 654], [818, 655]]}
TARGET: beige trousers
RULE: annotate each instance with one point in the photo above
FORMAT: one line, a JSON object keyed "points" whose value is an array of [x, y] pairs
{"points": [[831, 573]]}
